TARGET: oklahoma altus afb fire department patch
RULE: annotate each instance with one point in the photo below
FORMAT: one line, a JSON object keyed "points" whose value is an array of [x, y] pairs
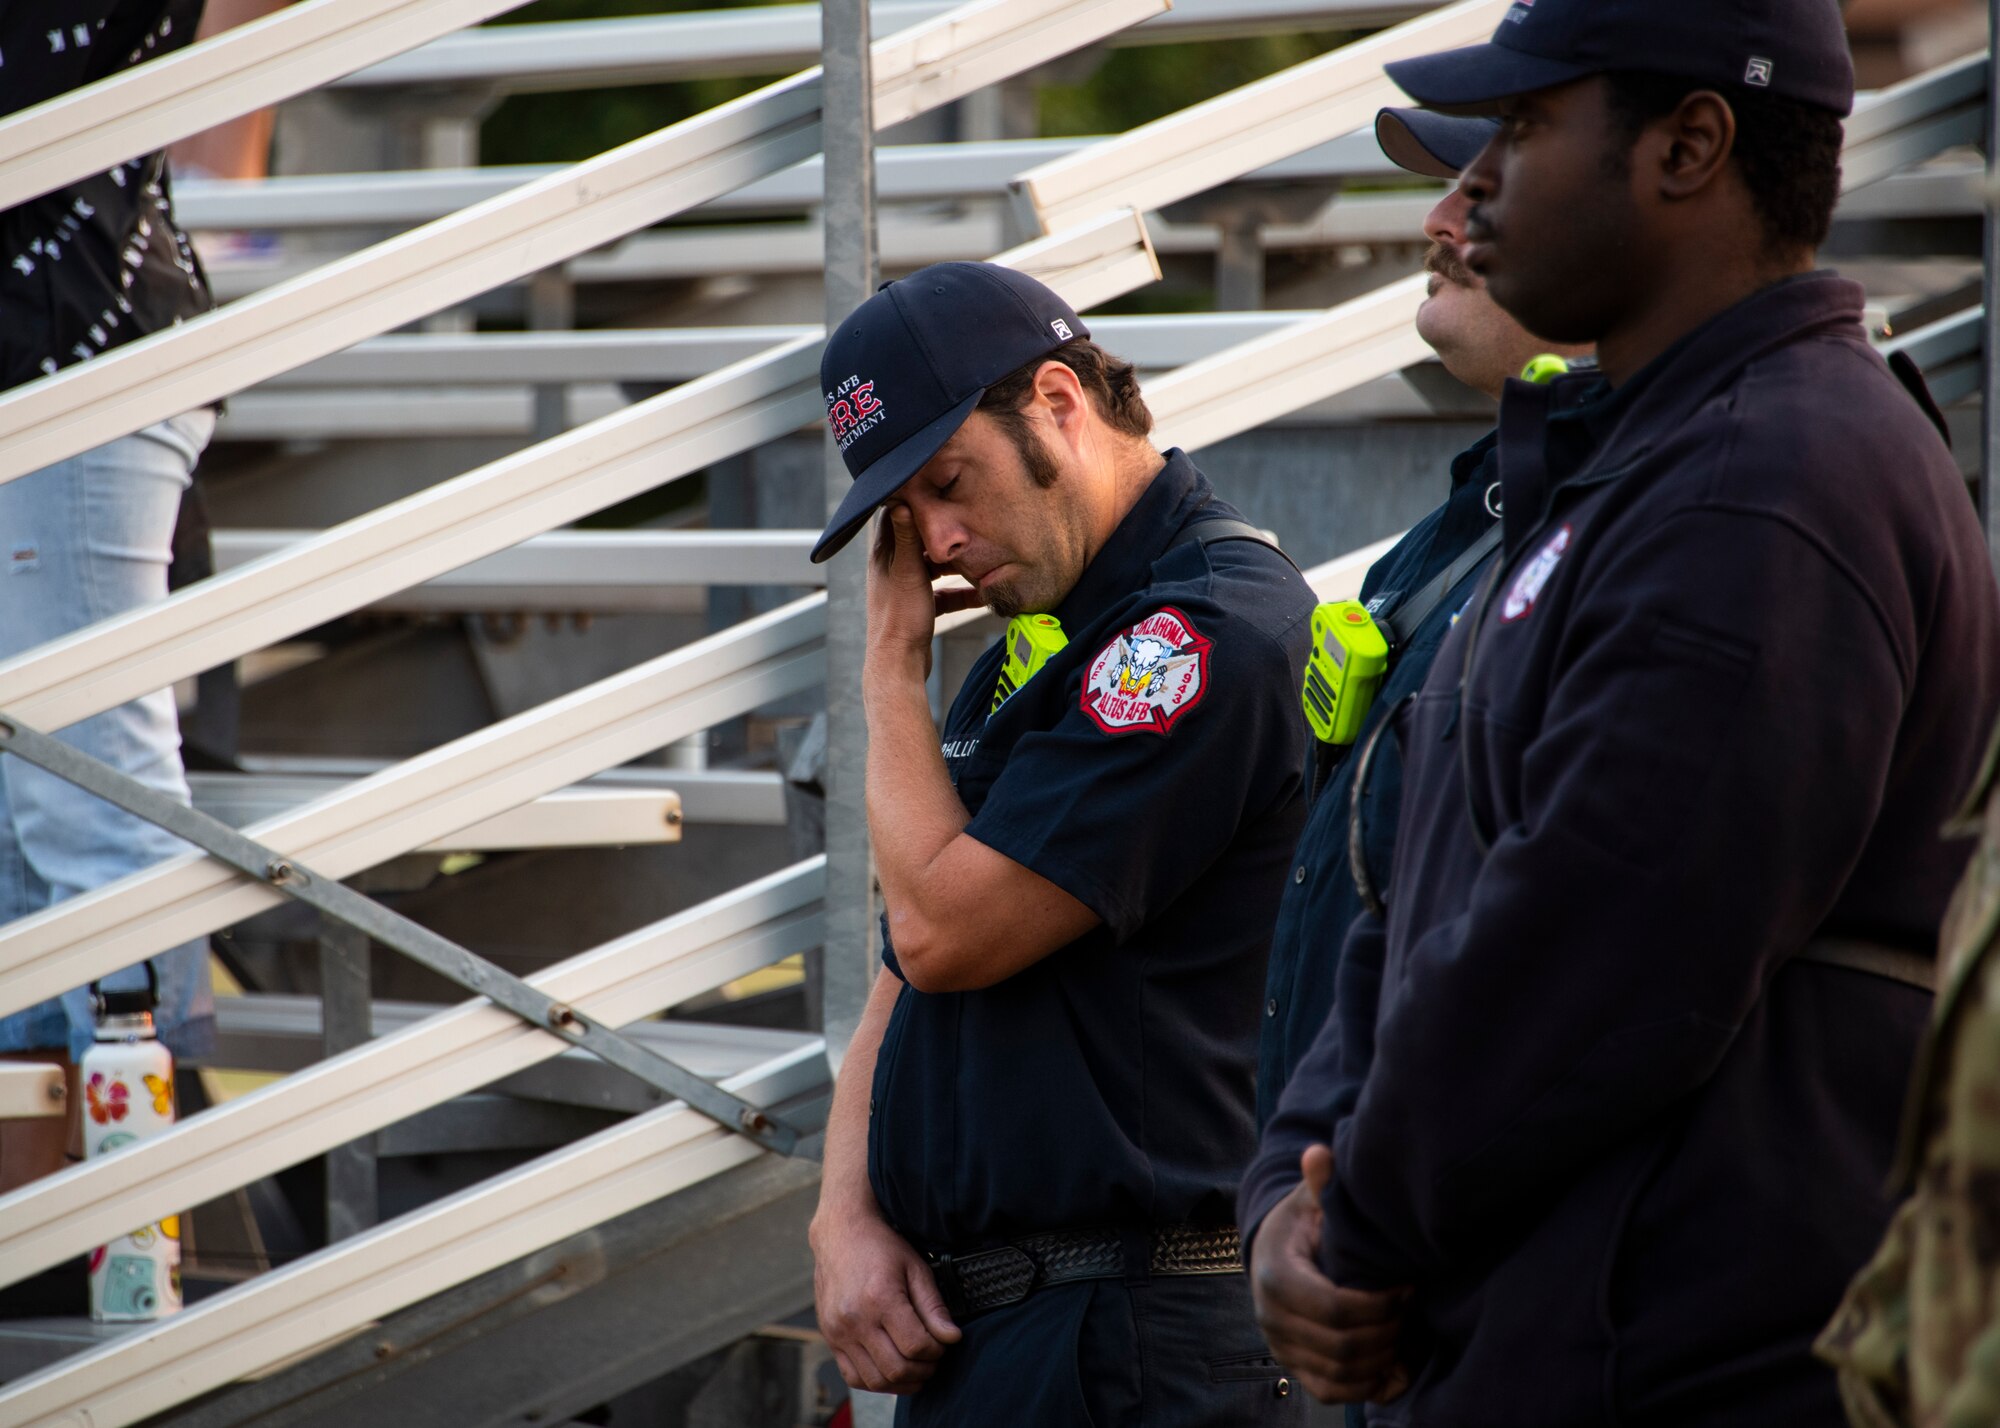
{"points": [[1148, 676]]}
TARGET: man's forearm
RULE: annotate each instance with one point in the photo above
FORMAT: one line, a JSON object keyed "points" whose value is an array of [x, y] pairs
{"points": [[913, 811], [843, 1187]]}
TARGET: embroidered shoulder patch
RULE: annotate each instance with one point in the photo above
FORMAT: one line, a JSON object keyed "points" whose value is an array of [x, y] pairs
{"points": [[1527, 586], [1148, 676]]}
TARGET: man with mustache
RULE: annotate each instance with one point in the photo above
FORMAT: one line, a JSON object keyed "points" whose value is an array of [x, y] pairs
{"points": [[1026, 1214], [1657, 954], [1414, 592]]}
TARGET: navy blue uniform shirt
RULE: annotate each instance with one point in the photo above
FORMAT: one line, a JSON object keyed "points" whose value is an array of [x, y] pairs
{"points": [[1321, 900], [1731, 677], [1153, 769]]}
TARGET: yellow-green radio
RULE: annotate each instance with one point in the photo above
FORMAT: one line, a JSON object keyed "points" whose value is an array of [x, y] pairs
{"points": [[1343, 671], [1032, 640]]}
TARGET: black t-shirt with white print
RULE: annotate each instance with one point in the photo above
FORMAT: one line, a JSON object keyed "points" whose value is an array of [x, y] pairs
{"points": [[101, 261]]}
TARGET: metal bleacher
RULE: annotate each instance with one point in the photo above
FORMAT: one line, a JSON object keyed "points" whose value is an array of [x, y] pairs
{"points": [[612, 1235]]}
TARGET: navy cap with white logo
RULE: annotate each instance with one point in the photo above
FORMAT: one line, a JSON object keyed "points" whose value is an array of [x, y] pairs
{"points": [[1434, 145], [905, 369], [1796, 49]]}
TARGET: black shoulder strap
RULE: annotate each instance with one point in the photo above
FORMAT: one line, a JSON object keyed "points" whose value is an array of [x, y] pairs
{"points": [[1402, 622], [1208, 530]]}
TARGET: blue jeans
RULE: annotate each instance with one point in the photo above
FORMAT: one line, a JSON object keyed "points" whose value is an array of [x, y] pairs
{"points": [[84, 540]]}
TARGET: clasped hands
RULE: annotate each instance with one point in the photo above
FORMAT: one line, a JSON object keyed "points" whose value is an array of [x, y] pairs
{"points": [[1341, 1343]]}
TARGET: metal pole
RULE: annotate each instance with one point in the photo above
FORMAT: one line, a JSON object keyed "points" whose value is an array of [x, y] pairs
{"points": [[848, 130], [847, 966], [1989, 416], [346, 1021]]}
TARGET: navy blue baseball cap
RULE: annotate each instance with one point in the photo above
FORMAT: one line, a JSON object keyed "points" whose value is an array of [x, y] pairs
{"points": [[907, 367], [1796, 49], [1434, 145]]}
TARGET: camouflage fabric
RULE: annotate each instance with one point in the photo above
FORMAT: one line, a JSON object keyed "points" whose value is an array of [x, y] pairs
{"points": [[1917, 1340]]}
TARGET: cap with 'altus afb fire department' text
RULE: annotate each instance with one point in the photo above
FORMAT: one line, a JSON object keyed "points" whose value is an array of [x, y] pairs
{"points": [[1795, 49], [905, 369]]}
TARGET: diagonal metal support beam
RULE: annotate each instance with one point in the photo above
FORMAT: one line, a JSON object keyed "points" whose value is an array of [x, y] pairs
{"points": [[528, 229], [471, 778], [421, 945], [406, 1070], [325, 1297]]}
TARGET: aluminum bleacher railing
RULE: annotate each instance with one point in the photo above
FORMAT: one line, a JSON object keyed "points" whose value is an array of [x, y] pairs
{"points": [[522, 231], [1308, 104], [489, 509], [908, 173], [88, 130], [770, 39]]}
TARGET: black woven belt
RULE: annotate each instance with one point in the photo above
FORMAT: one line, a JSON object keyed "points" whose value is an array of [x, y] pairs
{"points": [[990, 1279]]}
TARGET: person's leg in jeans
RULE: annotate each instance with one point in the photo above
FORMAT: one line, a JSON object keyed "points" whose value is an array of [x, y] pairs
{"points": [[84, 540]]}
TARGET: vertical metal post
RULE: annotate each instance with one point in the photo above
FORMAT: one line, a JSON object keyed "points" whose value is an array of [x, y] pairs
{"points": [[1239, 264], [848, 130], [551, 308], [346, 1020], [1989, 414]]}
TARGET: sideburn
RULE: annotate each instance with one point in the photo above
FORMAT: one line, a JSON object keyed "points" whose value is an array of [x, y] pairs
{"points": [[1042, 467]]}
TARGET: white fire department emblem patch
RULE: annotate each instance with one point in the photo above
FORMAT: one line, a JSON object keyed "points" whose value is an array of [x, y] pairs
{"points": [[1148, 676], [1527, 586]]}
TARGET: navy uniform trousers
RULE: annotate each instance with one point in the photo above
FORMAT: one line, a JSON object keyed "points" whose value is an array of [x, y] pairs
{"points": [[1107, 1354]]}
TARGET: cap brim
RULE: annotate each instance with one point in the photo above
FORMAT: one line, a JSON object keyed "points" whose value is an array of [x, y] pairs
{"points": [[1473, 79], [1435, 145], [887, 475]]}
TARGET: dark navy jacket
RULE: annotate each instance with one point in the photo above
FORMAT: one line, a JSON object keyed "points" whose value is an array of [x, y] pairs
{"points": [[1153, 769], [1730, 681], [1320, 898]]}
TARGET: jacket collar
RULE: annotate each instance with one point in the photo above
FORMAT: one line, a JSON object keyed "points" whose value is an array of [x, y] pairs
{"points": [[1473, 460], [1125, 563], [1624, 423]]}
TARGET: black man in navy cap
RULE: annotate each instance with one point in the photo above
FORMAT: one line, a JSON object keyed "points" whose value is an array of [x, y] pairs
{"points": [[1656, 956], [1027, 1212], [1414, 591]]}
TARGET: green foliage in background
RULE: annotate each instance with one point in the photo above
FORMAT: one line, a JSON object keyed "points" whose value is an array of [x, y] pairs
{"points": [[1132, 85], [567, 128]]}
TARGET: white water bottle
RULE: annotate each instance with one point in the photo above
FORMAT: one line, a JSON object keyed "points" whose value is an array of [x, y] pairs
{"points": [[128, 1095]]}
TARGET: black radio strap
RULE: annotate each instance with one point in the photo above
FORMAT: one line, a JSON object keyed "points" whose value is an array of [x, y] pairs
{"points": [[1402, 623], [1219, 528]]}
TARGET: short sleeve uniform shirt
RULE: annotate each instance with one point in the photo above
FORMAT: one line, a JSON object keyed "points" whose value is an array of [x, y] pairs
{"points": [[1153, 769]]}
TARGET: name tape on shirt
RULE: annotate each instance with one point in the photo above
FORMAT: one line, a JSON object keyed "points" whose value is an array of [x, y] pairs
{"points": [[1527, 586], [1148, 676]]}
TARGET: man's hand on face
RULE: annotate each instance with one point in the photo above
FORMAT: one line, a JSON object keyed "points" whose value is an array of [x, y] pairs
{"points": [[902, 607], [1340, 1342], [879, 1306]]}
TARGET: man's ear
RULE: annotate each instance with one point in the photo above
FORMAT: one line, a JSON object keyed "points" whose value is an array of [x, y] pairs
{"points": [[1692, 145], [1057, 386]]}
